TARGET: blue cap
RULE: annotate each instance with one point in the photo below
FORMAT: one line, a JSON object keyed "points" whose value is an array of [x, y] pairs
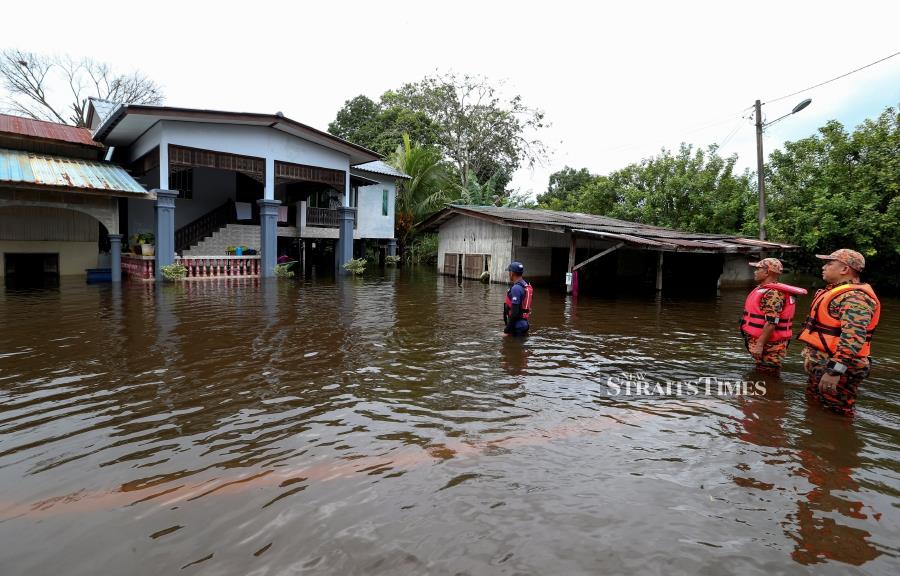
{"points": [[516, 267]]}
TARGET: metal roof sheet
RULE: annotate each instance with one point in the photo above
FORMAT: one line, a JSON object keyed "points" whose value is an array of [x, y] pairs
{"points": [[102, 108], [27, 168], [379, 167], [632, 233], [46, 130]]}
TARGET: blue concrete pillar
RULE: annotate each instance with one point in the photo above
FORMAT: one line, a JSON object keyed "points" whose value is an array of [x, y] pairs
{"points": [[268, 236], [115, 257], [165, 229], [392, 247], [345, 243]]}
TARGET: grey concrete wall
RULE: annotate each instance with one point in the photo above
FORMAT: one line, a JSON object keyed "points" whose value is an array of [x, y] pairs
{"points": [[102, 208], [736, 273], [41, 223], [141, 217], [212, 187]]}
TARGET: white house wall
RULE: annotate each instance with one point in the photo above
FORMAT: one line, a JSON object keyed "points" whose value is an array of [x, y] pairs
{"points": [[371, 223], [257, 141], [467, 235]]}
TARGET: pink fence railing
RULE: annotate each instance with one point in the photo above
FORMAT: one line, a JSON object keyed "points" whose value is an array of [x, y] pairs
{"points": [[198, 267], [220, 266], [138, 267]]}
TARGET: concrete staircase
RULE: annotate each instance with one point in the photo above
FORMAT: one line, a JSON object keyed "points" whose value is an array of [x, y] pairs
{"points": [[230, 235]]}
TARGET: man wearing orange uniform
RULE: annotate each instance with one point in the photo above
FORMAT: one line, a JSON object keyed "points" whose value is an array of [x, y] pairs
{"points": [[838, 332]]}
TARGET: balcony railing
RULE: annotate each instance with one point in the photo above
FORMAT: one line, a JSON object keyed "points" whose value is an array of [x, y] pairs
{"points": [[325, 217]]}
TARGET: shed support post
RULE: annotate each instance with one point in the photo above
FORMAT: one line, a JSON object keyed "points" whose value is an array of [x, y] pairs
{"points": [[659, 270], [572, 242]]}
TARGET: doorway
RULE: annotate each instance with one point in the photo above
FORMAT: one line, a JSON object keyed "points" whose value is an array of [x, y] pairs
{"points": [[31, 270]]}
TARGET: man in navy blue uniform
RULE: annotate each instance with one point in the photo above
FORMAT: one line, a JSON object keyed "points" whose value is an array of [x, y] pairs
{"points": [[517, 307]]}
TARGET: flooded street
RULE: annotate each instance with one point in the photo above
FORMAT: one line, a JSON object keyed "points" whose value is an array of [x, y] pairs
{"points": [[382, 426]]}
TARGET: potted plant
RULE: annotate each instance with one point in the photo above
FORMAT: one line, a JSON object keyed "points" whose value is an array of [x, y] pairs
{"points": [[148, 243]]}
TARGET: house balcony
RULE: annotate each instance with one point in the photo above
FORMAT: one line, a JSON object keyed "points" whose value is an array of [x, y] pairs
{"points": [[326, 218]]}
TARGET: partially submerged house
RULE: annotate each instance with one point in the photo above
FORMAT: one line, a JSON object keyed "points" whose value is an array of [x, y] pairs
{"points": [[222, 179], [594, 252], [59, 201]]}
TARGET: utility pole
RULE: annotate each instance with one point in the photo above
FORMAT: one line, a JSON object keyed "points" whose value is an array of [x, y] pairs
{"points": [[760, 174]]}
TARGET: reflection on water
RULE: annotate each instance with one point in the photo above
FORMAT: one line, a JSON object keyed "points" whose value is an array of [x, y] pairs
{"points": [[383, 426]]}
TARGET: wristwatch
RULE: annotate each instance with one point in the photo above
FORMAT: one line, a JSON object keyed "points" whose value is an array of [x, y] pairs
{"points": [[835, 368]]}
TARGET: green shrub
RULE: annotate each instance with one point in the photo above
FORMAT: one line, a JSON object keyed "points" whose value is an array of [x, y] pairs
{"points": [[284, 270], [173, 272], [391, 260], [356, 266]]}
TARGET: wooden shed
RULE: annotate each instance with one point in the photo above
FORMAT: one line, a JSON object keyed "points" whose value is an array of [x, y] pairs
{"points": [[597, 251]]}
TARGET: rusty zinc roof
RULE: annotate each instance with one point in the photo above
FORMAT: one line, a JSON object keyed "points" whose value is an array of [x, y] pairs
{"points": [[30, 170], [632, 234], [46, 130]]}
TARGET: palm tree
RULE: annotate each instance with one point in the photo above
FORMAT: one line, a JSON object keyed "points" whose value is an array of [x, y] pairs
{"points": [[424, 192]]}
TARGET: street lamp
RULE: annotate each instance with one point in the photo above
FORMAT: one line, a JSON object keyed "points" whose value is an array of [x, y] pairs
{"points": [[760, 175]]}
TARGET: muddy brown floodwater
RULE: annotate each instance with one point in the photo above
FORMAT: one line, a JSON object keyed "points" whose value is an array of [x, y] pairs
{"points": [[382, 426]]}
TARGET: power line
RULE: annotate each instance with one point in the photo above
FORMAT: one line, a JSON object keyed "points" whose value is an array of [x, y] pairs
{"points": [[832, 80]]}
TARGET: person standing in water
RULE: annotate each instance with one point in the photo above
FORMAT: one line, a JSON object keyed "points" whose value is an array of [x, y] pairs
{"points": [[767, 321], [517, 307], [838, 332]]}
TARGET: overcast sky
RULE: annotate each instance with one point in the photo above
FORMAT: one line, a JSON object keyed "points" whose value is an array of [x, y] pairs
{"points": [[618, 81]]}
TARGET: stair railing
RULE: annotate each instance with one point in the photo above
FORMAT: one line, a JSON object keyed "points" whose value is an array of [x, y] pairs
{"points": [[204, 226]]}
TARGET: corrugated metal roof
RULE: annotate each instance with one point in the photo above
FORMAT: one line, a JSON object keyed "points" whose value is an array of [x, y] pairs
{"points": [[20, 167], [379, 167], [631, 233], [46, 130]]}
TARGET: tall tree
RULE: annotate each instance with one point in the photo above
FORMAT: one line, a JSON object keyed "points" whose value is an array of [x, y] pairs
{"points": [[35, 84], [380, 127], [481, 132], [839, 189], [565, 189]]}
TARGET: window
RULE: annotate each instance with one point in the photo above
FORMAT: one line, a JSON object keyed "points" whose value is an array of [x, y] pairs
{"points": [[384, 202], [183, 181], [524, 237]]}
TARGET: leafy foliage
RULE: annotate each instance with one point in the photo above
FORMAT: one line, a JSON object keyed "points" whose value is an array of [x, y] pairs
{"points": [[694, 190], [834, 189], [173, 272], [479, 131], [285, 270], [837, 189], [380, 127], [424, 192], [356, 266]]}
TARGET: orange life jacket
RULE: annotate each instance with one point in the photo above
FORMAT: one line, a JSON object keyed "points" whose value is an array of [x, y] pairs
{"points": [[822, 331], [525, 305], [753, 319]]}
